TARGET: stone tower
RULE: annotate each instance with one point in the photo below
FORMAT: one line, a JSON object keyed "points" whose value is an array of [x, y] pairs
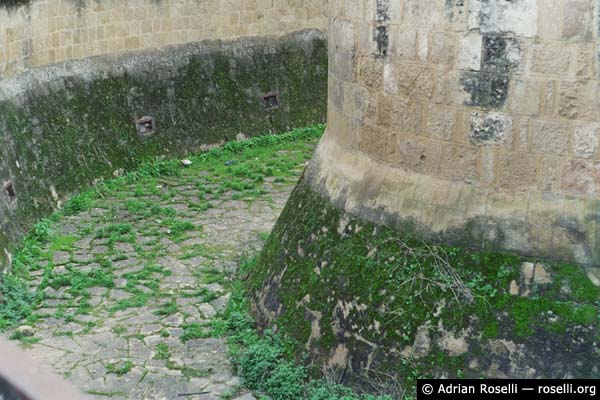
{"points": [[477, 121], [471, 124]]}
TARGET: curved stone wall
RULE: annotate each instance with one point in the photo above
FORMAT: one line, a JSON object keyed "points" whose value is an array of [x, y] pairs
{"points": [[460, 158], [41, 32], [477, 122], [77, 78]]}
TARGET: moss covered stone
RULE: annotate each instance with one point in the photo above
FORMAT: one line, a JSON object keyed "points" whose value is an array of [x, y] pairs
{"points": [[362, 297], [65, 126]]}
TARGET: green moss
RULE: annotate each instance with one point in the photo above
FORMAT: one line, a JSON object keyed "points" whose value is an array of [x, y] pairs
{"points": [[318, 258], [491, 329]]}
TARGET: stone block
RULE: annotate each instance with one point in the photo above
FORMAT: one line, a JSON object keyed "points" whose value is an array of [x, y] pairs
{"points": [[550, 58], [460, 163], [485, 89], [415, 153], [384, 110], [490, 128], [422, 45], [407, 115], [365, 38], [550, 174], [506, 204], [524, 96], [522, 141], [342, 34], [403, 43], [515, 17], [352, 9], [550, 136], [373, 141], [441, 86], [581, 177], [416, 81], [424, 12], [439, 121], [487, 172], [363, 104], [516, 170], [341, 65], [550, 29], [578, 99], [443, 48], [577, 20], [586, 140], [370, 73], [501, 54], [132, 43], [585, 60]]}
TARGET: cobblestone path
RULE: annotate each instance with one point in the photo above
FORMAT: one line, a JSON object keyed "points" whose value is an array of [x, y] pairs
{"points": [[131, 284]]}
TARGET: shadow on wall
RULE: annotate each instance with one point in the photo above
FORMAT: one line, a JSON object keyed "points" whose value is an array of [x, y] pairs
{"points": [[64, 126]]}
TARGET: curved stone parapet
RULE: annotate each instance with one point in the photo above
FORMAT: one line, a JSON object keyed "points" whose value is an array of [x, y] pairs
{"points": [[484, 116]]}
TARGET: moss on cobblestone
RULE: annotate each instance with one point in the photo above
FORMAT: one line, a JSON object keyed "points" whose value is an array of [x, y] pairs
{"points": [[111, 255], [128, 265], [222, 167], [67, 125]]}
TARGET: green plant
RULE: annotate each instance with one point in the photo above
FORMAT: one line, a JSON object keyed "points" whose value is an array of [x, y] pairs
{"points": [[16, 302], [162, 352], [193, 331], [266, 363], [168, 308], [120, 368]]}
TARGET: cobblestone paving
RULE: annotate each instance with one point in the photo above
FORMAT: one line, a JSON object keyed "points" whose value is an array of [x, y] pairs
{"points": [[152, 263]]}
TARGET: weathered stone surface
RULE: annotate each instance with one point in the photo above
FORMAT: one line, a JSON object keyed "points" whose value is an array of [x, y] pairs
{"points": [[517, 17], [469, 53], [516, 170], [416, 81], [577, 21], [586, 140], [440, 122], [550, 59], [461, 162], [582, 177], [490, 128], [550, 137], [578, 99]]}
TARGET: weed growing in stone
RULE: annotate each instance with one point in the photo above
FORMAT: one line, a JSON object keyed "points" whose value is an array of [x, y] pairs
{"points": [[162, 351], [120, 369], [266, 362]]}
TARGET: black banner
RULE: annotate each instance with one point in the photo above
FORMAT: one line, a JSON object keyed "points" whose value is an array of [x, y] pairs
{"points": [[508, 389]]}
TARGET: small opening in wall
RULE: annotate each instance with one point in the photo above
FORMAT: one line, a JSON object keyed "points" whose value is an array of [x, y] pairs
{"points": [[271, 100], [9, 191], [146, 126]]}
